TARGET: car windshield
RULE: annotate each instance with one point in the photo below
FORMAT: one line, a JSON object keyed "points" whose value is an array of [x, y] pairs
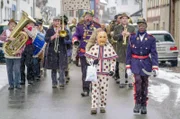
{"points": [[2, 28], [163, 38]]}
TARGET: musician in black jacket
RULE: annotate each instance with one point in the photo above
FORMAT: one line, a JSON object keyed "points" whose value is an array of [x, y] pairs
{"points": [[56, 51]]}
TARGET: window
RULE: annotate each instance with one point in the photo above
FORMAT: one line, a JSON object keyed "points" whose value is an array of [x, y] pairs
{"points": [[163, 38], [157, 26], [136, 2], [32, 11], [163, 28], [71, 13], [124, 2]]}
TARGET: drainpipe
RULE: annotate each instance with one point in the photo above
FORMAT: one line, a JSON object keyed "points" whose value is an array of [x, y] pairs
{"points": [[170, 16]]}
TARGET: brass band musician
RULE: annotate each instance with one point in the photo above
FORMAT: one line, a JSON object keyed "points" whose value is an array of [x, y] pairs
{"points": [[121, 34]]}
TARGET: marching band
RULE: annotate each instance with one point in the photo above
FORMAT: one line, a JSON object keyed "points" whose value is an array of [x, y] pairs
{"points": [[112, 49]]}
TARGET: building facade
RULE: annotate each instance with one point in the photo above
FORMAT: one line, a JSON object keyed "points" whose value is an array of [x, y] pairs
{"points": [[158, 14], [175, 20], [8, 10]]}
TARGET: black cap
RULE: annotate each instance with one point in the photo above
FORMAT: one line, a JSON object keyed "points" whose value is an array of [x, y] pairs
{"points": [[65, 19]]}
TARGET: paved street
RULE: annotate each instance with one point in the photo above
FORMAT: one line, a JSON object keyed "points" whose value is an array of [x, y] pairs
{"points": [[42, 102]]}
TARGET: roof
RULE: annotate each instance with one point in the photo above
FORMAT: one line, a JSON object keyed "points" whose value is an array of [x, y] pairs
{"points": [[103, 1], [158, 32], [137, 13]]}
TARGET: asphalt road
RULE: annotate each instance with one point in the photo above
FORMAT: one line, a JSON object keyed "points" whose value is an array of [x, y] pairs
{"points": [[40, 101]]}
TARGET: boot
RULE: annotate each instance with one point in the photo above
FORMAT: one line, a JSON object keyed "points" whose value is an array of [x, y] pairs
{"points": [[93, 111], [102, 110], [143, 110], [85, 94], [122, 85], [137, 108], [54, 86], [118, 81], [130, 85]]}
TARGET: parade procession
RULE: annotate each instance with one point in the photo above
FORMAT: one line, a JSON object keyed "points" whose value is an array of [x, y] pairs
{"points": [[86, 67]]}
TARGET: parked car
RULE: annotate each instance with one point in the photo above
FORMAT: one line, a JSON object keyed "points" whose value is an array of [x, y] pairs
{"points": [[3, 26], [166, 47]]}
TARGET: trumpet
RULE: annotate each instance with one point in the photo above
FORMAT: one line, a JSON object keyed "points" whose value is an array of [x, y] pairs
{"points": [[125, 36]]}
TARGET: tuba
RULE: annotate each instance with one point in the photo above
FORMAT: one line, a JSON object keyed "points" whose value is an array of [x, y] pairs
{"points": [[12, 47]]}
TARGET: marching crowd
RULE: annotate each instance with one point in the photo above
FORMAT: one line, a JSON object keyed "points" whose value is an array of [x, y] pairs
{"points": [[113, 49]]}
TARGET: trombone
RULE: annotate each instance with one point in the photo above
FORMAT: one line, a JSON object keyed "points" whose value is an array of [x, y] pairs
{"points": [[62, 34], [56, 42]]}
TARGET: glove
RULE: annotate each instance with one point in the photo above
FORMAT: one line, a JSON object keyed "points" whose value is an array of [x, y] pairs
{"points": [[96, 62], [156, 72], [76, 43], [129, 72], [111, 73]]}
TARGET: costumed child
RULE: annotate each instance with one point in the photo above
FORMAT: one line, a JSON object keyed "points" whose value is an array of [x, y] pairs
{"points": [[104, 57]]}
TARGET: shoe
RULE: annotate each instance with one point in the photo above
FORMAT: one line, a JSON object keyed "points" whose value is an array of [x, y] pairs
{"points": [[121, 85], [67, 80], [93, 111], [85, 94], [22, 83], [118, 81], [54, 86], [30, 82], [102, 110], [18, 87], [11, 88], [37, 78], [61, 85], [130, 85], [137, 108], [126, 81], [143, 110]]}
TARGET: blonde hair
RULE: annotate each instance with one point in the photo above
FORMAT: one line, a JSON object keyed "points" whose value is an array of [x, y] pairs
{"points": [[93, 39]]}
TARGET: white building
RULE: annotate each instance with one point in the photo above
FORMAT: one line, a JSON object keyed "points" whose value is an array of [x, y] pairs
{"points": [[7, 10], [48, 9], [25, 5], [127, 6], [111, 8], [13, 9]]}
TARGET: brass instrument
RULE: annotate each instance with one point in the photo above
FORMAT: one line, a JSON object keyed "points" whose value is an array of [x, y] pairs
{"points": [[125, 36], [12, 47], [63, 33], [56, 42]]}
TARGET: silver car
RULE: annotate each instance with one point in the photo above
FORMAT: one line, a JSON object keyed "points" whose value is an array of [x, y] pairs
{"points": [[166, 47]]}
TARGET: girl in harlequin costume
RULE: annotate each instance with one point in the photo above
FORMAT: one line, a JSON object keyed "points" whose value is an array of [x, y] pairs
{"points": [[104, 58]]}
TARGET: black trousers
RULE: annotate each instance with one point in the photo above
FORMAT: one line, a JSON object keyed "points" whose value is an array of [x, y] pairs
{"points": [[117, 70], [37, 66], [27, 59], [141, 89], [86, 84]]}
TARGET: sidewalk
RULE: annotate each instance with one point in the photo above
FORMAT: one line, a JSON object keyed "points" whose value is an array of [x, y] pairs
{"points": [[3, 76]]}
